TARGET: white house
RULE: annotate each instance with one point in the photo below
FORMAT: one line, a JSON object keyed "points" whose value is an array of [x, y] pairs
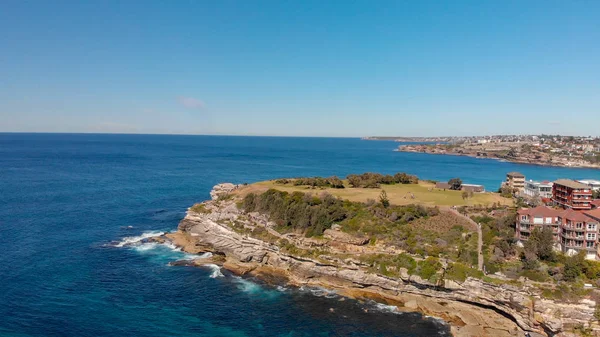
{"points": [[535, 188], [594, 184]]}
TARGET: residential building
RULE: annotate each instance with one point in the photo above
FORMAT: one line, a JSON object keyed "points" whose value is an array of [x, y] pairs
{"points": [[472, 188], [515, 180], [593, 184], [573, 231], [535, 189], [538, 217], [571, 194], [579, 232]]}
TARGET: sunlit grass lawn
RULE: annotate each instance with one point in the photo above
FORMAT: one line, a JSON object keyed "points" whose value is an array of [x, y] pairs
{"points": [[399, 194]]}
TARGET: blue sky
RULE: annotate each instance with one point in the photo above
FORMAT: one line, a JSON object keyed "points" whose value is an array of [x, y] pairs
{"points": [[310, 68]]}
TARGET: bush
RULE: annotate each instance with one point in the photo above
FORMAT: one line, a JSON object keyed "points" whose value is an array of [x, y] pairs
{"points": [[428, 267], [333, 182], [199, 208], [374, 180], [406, 261], [297, 211], [535, 275], [460, 272]]}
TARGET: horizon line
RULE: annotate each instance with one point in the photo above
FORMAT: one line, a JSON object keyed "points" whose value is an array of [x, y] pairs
{"points": [[281, 136]]}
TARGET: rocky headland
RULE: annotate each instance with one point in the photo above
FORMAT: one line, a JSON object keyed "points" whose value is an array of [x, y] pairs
{"points": [[247, 244], [513, 152]]}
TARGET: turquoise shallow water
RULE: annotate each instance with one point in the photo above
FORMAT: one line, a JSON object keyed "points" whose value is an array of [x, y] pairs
{"points": [[70, 203]]}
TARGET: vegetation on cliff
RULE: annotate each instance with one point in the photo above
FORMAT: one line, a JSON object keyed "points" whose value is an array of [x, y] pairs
{"points": [[364, 180], [311, 214], [420, 233]]}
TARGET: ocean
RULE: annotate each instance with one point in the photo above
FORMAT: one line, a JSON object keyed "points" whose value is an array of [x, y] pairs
{"points": [[73, 208]]}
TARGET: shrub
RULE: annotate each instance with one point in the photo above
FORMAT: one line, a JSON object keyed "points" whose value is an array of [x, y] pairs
{"points": [[333, 182], [460, 272], [297, 211], [374, 180], [428, 267], [199, 208], [406, 261]]}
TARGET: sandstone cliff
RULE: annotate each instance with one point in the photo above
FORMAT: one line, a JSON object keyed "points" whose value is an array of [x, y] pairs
{"points": [[473, 308]]}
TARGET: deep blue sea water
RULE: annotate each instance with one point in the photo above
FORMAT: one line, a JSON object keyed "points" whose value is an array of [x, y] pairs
{"points": [[68, 200]]}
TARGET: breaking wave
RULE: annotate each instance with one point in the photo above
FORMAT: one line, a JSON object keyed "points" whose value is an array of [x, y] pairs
{"points": [[134, 240], [216, 270], [160, 250], [320, 292]]}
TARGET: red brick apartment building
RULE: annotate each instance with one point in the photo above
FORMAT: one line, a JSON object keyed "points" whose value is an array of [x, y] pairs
{"points": [[538, 217], [571, 194], [573, 231]]}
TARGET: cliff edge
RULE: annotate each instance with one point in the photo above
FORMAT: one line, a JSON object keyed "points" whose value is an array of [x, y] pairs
{"points": [[249, 244]]}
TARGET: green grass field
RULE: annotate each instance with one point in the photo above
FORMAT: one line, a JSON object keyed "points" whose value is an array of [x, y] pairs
{"points": [[399, 194]]}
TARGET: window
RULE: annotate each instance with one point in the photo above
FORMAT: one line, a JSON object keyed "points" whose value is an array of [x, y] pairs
{"points": [[524, 217], [591, 236], [591, 226], [590, 244], [579, 225]]}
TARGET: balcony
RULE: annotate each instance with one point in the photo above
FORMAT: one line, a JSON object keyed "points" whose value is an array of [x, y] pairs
{"points": [[572, 237], [528, 222]]}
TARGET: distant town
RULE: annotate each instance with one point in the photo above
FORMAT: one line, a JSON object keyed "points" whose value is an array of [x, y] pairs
{"points": [[551, 150]]}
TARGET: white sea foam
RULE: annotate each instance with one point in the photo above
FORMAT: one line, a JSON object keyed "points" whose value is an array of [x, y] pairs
{"points": [[216, 270], [145, 246], [387, 308], [138, 244], [247, 286], [320, 292], [136, 240]]}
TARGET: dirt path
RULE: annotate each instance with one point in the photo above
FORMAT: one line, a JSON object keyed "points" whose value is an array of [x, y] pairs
{"points": [[479, 237]]}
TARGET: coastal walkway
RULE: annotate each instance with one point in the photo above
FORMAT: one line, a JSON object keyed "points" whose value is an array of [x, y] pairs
{"points": [[479, 237]]}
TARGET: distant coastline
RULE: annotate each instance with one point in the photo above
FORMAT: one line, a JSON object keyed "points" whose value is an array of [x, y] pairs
{"points": [[442, 150]]}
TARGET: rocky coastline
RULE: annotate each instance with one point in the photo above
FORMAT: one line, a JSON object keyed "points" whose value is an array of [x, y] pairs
{"points": [[472, 308], [466, 152]]}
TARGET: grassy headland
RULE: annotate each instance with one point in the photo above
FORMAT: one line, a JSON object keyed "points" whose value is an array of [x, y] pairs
{"points": [[423, 193]]}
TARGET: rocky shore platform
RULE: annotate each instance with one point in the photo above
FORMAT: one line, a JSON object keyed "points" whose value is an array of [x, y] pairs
{"points": [[473, 308]]}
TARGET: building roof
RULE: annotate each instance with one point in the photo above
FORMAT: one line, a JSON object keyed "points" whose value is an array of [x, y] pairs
{"points": [[595, 213], [545, 183], [596, 203], [570, 183], [515, 174], [540, 211], [589, 181], [572, 215]]}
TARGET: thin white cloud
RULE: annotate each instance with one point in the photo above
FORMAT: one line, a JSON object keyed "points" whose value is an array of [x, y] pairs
{"points": [[190, 102]]}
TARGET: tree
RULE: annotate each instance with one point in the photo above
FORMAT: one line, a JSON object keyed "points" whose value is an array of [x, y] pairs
{"points": [[529, 255], [544, 242], [574, 266], [383, 198], [455, 183], [596, 194]]}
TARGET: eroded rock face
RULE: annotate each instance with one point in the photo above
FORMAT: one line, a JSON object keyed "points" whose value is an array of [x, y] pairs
{"points": [[474, 308], [222, 189]]}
